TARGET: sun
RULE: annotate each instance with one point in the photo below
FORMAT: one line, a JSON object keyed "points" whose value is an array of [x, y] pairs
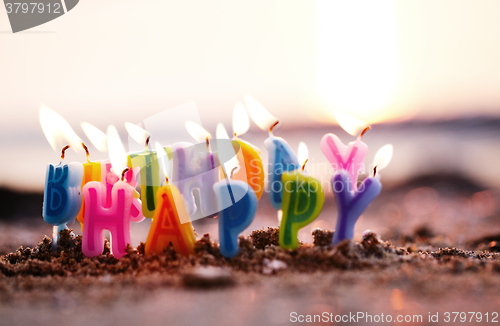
{"points": [[358, 58]]}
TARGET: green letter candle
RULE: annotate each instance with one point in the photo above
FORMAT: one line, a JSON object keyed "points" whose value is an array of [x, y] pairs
{"points": [[303, 200]]}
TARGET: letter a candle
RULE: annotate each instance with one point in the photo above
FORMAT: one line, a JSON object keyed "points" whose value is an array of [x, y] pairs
{"points": [[171, 223]]}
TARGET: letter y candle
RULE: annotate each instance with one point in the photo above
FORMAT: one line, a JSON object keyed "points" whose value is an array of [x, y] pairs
{"points": [[351, 204]]}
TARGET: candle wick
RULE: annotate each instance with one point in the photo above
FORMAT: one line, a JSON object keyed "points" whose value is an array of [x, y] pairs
{"points": [[147, 143], [124, 171], [207, 141], [272, 127], [375, 170], [63, 151], [364, 131], [86, 152], [304, 165], [235, 135], [232, 172]]}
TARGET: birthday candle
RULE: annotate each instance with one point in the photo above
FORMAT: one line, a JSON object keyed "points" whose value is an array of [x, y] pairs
{"points": [[281, 159], [62, 198], [108, 178], [168, 227], [147, 161], [91, 172], [116, 218], [303, 200], [237, 207], [193, 168], [247, 156], [350, 203], [281, 156], [348, 158]]}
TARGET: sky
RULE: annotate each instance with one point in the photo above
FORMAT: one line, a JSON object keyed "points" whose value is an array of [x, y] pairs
{"points": [[109, 62]]}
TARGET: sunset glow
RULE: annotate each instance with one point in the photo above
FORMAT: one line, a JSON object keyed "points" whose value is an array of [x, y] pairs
{"points": [[358, 59]]}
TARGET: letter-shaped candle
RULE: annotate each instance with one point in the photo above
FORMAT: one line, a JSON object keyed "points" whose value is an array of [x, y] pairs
{"points": [[281, 159], [303, 200], [281, 156], [147, 161], [253, 171], [91, 172], [349, 158], [193, 167], [351, 204], [167, 224], [62, 198], [238, 205], [250, 169], [115, 218], [109, 179]]}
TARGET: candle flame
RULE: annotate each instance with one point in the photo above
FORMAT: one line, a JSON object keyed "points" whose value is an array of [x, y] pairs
{"points": [[58, 131], [383, 157], [165, 164], [197, 132], [302, 153], [137, 133], [96, 136], [259, 114], [350, 124], [116, 150], [241, 122], [221, 132]]}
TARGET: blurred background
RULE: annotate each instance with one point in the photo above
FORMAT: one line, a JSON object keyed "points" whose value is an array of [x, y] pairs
{"points": [[425, 74]]}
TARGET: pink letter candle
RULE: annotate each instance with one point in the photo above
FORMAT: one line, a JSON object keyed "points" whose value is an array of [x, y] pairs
{"points": [[115, 218], [349, 158]]}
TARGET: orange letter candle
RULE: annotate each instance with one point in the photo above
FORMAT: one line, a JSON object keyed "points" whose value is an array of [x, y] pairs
{"points": [[253, 173], [168, 227]]}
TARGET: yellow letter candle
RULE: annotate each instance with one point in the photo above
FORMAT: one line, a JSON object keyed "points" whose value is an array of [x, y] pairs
{"points": [[91, 172]]}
